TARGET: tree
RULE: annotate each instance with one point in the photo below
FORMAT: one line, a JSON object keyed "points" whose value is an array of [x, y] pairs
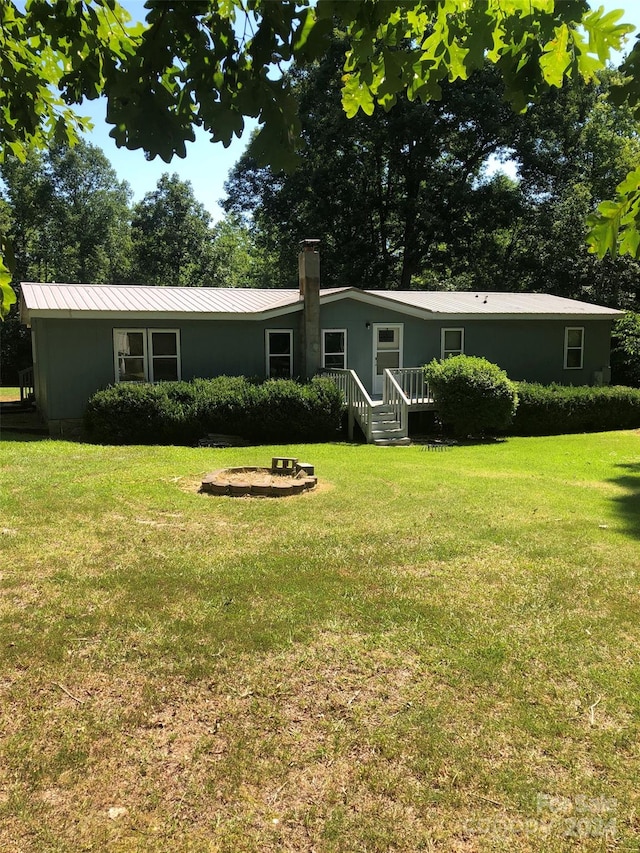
{"points": [[171, 235], [615, 226], [70, 215], [403, 200], [238, 261], [209, 64], [382, 192], [15, 342], [67, 217], [572, 148], [625, 353]]}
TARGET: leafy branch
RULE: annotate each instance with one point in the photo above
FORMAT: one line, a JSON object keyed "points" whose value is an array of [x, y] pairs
{"points": [[187, 67]]}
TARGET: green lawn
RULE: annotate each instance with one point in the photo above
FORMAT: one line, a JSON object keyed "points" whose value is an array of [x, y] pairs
{"points": [[8, 393], [435, 651]]}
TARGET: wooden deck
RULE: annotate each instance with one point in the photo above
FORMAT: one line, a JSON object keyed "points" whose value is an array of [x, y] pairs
{"points": [[384, 419]]}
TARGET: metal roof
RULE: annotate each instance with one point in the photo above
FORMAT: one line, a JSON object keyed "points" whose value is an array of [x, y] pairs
{"points": [[491, 302], [93, 300], [139, 298]]}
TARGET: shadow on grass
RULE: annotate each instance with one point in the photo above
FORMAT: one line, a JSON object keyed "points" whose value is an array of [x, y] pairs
{"points": [[167, 612], [628, 505], [10, 435]]}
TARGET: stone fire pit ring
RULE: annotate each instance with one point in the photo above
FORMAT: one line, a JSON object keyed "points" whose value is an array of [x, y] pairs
{"points": [[285, 477]]}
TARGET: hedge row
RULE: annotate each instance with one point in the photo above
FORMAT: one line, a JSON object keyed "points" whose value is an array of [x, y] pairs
{"points": [[558, 409], [279, 410]]}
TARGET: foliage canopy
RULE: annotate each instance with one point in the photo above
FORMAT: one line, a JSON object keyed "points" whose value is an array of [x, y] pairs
{"points": [[210, 63], [408, 199]]}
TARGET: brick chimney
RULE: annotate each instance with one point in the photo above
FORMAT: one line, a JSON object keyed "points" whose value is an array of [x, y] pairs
{"points": [[309, 277]]}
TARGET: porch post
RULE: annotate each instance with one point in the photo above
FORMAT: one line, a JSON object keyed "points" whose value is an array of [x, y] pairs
{"points": [[350, 420]]}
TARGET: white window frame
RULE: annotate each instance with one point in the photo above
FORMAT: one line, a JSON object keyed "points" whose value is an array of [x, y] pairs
{"points": [[145, 358], [324, 351], [568, 349], [151, 356], [268, 353], [147, 352], [445, 353]]}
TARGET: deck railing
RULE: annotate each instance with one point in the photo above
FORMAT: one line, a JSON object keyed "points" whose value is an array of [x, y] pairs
{"points": [[359, 403], [26, 383], [414, 386], [394, 396], [402, 388]]}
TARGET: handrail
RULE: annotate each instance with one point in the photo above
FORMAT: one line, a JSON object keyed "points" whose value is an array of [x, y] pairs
{"points": [[393, 395], [402, 388], [413, 383], [26, 383], [358, 401]]}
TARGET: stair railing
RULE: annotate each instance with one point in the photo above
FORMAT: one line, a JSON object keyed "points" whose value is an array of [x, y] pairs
{"points": [[26, 383], [359, 403], [394, 396], [413, 383]]}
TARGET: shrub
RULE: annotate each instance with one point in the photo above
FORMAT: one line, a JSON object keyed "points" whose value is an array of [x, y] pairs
{"points": [[557, 409], [181, 412], [625, 351], [288, 411], [134, 414], [224, 404], [472, 395]]}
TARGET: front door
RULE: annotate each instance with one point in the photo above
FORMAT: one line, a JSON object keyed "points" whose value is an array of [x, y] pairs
{"points": [[387, 351]]}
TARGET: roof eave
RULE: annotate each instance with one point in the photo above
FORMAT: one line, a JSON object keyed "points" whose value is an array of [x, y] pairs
{"points": [[127, 316], [381, 301], [541, 315]]}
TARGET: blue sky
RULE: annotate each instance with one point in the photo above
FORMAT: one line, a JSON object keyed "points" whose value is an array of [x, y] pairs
{"points": [[207, 165]]}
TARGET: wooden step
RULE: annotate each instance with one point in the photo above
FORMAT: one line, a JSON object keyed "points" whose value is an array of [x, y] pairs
{"points": [[392, 442]]}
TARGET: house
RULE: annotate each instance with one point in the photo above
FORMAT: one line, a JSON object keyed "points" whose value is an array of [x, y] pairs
{"points": [[86, 337]]}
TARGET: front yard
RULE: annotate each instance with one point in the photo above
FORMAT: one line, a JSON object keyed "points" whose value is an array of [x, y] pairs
{"points": [[433, 651]]}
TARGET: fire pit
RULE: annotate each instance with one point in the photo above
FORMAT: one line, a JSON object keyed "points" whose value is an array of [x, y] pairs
{"points": [[285, 477]]}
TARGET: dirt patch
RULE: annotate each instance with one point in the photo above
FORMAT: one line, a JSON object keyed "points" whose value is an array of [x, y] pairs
{"points": [[254, 476]]}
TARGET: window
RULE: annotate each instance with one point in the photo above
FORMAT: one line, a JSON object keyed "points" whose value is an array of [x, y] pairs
{"points": [[146, 355], [279, 346], [573, 347], [164, 355], [452, 342], [334, 349], [388, 351]]}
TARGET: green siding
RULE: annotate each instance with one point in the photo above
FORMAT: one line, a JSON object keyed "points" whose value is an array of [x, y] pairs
{"points": [[74, 357], [531, 350], [40, 364]]}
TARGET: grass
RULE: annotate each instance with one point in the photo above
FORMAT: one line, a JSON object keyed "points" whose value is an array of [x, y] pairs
{"points": [[434, 651], [8, 394]]}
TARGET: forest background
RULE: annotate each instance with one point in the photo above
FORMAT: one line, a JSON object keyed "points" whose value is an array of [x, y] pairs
{"points": [[409, 199]]}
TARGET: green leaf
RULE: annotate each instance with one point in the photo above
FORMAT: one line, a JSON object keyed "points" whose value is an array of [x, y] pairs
{"points": [[556, 58], [631, 183], [603, 234], [7, 265], [630, 241], [605, 34], [457, 55], [356, 96], [7, 294]]}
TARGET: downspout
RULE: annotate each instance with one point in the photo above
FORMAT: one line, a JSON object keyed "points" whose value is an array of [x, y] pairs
{"points": [[309, 278]]}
